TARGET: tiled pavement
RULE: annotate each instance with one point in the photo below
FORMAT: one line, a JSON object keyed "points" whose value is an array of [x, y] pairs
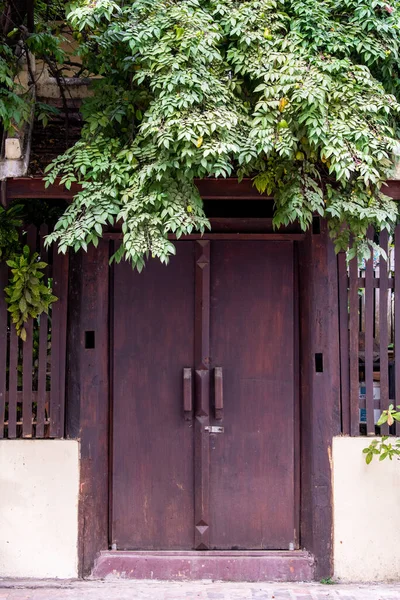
{"points": [[139, 590]]}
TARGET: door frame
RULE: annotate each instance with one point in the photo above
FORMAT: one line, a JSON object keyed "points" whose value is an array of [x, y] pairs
{"points": [[90, 404]]}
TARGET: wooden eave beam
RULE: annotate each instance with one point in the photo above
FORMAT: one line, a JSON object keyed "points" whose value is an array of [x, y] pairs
{"points": [[210, 189]]}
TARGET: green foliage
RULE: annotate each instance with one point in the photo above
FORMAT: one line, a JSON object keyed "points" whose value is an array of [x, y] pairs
{"points": [[328, 581], [300, 95], [44, 111], [10, 224], [16, 101], [389, 416], [382, 447], [15, 105], [26, 295], [49, 10]]}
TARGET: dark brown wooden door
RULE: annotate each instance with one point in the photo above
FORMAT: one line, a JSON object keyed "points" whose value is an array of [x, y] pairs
{"points": [[176, 484], [252, 462], [152, 494]]}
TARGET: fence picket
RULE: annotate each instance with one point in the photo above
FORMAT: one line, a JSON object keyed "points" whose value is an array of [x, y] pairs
{"points": [[343, 281], [369, 341], [58, 344], [27, 357], [353, 347], [383, 327], [25, 402], [13, 383], [43, 342]]}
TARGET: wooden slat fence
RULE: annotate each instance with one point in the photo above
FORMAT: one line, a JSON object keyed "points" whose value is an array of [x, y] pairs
{"points": [[32, 373], [369, 335]]}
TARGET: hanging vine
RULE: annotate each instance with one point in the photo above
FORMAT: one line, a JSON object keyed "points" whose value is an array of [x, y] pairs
{"points": [[24, 30], [302, 96], [26, 294], [299, 95]]}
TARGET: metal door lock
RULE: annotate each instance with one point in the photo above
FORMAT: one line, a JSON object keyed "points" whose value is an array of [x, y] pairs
{"points": [[214, 429]]}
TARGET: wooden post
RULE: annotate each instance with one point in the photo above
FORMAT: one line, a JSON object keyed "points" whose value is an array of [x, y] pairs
{"points": [[88, 395], [320, 392]]}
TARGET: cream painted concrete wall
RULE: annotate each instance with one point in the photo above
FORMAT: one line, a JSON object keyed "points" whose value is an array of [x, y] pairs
{"points": [[39, 486], [366, 501]]}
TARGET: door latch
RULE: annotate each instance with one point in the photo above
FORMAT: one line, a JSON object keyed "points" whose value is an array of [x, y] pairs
{"points": [[214, 429]]}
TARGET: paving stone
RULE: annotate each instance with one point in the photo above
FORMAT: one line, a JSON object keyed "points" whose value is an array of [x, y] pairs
{"points": [[145, 590]]}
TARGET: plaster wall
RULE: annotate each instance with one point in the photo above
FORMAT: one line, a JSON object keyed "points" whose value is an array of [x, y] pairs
{"points": [[39, 483], [366, 500]]}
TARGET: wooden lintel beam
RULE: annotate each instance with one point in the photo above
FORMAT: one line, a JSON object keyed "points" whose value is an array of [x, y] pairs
{"points": [[210, 189], [272, 236], [24, 188]]}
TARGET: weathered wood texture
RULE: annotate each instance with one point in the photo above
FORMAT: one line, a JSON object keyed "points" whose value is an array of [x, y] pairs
{"points": [[369, 342], [43, 347], [252, 464], [354, 349], [368, 305], [343, 282], [88, 395], [384, 327], [210, 189], [153, 453], [27, 407], [221, 304], [202, 386], [320, 393], [27, 359], [13, 385]]}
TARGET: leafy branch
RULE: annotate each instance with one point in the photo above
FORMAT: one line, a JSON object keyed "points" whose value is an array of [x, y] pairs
{"points": [[26, 295], [382, 447], [301, 96]]}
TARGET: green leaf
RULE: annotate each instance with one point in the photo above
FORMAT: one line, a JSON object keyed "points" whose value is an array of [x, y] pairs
{"points": [[382, 419]]}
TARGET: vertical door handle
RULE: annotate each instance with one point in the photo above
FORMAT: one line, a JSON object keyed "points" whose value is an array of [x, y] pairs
{"points": [[219, 393], [187, 394]]}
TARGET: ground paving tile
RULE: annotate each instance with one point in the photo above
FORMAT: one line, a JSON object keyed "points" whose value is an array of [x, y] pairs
{"points": [[157, 590]]}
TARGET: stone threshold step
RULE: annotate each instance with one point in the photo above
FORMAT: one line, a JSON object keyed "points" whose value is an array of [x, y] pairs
{"points": [[252, 566]]}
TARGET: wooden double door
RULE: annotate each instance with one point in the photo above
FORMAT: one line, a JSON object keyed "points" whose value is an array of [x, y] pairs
{"points": [[204, 420]]}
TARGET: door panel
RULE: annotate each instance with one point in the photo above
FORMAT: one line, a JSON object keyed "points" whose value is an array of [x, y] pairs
{"points": [[245, 475], [152, 503], [252, 462]]}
